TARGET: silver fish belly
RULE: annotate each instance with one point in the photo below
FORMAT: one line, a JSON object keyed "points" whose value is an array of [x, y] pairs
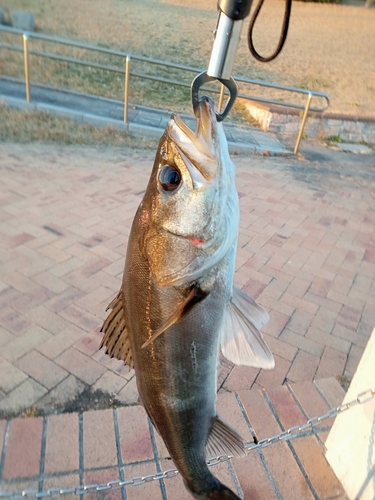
{"points": [[178, 306]]}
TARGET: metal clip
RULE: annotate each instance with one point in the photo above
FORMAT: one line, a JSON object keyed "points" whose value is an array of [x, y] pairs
{"points": [[203, 78]]}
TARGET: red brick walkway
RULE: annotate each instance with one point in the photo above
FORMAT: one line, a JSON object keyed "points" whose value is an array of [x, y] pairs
{"points": [[306, 252], [69, 450]]}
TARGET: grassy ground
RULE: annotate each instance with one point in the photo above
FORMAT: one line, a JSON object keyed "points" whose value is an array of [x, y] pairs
{"points": [[330, 48], [31, 126]]}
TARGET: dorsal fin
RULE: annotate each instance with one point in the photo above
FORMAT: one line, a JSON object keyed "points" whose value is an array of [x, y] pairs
{"points": [[116, 336], [241, 341], [223, 440]]}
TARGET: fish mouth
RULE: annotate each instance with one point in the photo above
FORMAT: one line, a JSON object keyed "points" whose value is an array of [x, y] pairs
{"points": [[198, 147]]}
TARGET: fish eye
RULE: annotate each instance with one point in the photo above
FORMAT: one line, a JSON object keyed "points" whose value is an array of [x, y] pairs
{"points": [[169, 178]]}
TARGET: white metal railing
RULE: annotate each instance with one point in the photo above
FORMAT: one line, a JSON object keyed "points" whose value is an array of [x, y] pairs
{"points": [[25, 48]]}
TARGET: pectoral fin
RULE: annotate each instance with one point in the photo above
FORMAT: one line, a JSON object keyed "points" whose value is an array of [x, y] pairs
{"points": [[196, 295], [116, 336], [223, 440], [241, 341]]}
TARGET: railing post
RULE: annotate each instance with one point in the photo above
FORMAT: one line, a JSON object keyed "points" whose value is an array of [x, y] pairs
{"points": [[25, 37], [303, 122], [220, 105], [126, 91]]}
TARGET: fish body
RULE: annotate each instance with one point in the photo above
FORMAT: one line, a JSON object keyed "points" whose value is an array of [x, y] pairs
{"points": [[177, 305]]}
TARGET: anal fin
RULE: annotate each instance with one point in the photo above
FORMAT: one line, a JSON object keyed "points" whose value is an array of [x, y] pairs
{"points": [[116, 336], [223, 440], [241, 341]]}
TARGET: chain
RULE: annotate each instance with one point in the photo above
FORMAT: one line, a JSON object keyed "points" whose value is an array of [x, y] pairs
{"points": [[292, 433]]}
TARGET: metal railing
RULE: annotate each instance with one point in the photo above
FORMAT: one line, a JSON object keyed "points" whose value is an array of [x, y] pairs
{"points": [[26, 37]]}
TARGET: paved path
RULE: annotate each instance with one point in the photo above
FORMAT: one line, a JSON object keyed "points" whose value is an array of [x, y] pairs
{"points": [[143, 121], [69, 450], [306, 252]]}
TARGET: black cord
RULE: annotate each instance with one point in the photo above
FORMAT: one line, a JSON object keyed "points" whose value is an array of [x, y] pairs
{"points": [[283, 35]]}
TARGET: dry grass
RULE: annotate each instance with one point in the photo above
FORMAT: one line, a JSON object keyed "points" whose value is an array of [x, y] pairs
{"points": [[30, 126], [330, 48]]}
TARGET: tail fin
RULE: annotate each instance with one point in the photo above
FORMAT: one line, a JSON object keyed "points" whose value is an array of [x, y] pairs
{"points": [[220, 492]]}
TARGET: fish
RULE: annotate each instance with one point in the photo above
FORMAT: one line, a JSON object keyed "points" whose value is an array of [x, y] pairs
{"points": [[178, 307]]}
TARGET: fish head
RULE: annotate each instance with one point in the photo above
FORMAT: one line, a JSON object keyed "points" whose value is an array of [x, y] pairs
{"points": [[190, 208]]}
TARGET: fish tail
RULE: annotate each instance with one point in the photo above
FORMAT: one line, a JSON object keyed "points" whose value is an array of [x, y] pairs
{"points": [[217, 492]]}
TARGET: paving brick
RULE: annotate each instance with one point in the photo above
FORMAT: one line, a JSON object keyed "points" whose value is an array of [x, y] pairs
{"points": [[41, 369], [20, 282], [301, 342], [332, 301], [309, 398], [280, 347], [253, 477], [332, 363], [151, 489], [102, 476], [10, 376], [331, 390], [276, 305], [99, 443], [48, 320], [52, 283], [349, 317], [175, 487], [24, 395], [25, 302], [326, 339], [229, 410], [61, 395], [21, 345], [241, 377], [89, 344], [279, 458], [324, 320], [95, 266], [276, 376], [276, 323], [300, 322], [66, 267], [354, 357], [24, 448], [91, 301], [64, 299], [62, 444], [110, 382], [83, 367], [301, 304], [129, 394], [308, 449], [63, 481], [57, 344], [54, 253], [80, 282], [135, 440], [80, 317], [304, 367], [275, 288]]}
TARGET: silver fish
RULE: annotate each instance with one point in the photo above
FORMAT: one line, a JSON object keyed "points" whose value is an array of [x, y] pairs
{"points": [[178, 306]]}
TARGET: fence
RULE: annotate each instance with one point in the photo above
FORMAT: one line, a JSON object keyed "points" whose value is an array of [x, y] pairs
{"points": [[126, 71]]}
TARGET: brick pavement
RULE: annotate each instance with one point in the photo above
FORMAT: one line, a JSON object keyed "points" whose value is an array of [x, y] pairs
{"points": [[306, 252], [94, 447]]}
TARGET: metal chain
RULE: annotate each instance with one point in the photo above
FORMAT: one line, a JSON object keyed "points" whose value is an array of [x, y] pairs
{"points": [[289, 434]]}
